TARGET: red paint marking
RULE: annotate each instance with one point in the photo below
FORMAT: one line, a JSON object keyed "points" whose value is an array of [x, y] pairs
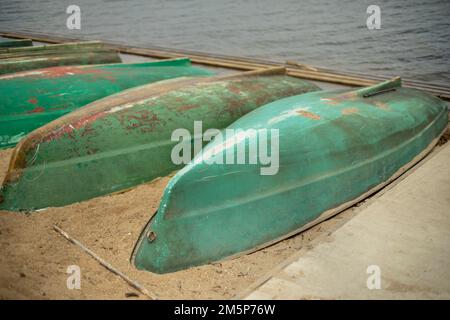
{"points": [[33, 100], [57, 72], [37, 110]]}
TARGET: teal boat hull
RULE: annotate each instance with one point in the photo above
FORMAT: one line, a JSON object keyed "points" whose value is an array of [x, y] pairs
{"points": [[33, 98], [335, 148]]}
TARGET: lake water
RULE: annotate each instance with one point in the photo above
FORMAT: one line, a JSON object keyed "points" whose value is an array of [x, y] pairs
{"points": [[414, 39]]}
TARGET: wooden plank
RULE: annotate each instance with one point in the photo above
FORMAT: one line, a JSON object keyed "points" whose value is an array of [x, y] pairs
{"points": [[105, 264]]}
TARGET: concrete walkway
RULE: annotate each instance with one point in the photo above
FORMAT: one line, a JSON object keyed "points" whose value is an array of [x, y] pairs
{"points": [[403, 236]]}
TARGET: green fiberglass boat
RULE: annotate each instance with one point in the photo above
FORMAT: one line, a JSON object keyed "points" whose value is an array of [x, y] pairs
{"points": [[334, 148], [31, 99], [36, 57], [126, 139], [12, 43]]}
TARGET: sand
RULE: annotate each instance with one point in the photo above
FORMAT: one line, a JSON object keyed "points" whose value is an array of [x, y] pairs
{"points": [[34, 258]]}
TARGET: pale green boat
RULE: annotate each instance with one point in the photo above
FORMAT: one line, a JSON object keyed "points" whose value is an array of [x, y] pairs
{"points": [[335, 148], [37, 57], [31, 99], [126, 139]]}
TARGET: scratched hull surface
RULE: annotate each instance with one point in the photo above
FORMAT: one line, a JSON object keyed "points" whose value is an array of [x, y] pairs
{"points": [[10, 43], [125, 139], [333, 148], [33, 98], [37, 57]]}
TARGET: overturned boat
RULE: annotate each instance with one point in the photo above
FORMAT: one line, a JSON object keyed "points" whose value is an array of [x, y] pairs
{"points": [[37, 57], [126, 139], [31, 99], [13, 43], [334, 149]]}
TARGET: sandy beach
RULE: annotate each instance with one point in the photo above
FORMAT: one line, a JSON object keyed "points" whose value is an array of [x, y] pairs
{"points": [[35, 258]]}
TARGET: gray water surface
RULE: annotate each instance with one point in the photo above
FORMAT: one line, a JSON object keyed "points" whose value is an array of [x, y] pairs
{"points": [[413, 42]]}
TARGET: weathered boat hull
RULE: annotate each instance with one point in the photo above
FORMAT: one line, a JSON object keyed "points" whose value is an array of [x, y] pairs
{"points": [[33, 98], [51, 49], [9, 43], [125, 139], [335, 148], [37, 57]]}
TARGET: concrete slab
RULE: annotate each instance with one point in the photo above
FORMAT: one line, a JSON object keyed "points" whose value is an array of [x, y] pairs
{"points": [[403, 236]]}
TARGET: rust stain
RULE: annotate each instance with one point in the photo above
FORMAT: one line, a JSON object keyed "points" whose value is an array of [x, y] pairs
{"points": [[82, 122], [252, 85], [88, 130], [233, 88], [33, 100], [233, 107], [347, 96], [245, 85], [381, 105], [187, 107], [330, 102], [348, 111], [308, 114], [252, 88], [37, 110], [144, 120], [48, 131], [57, 72], [55, 135], [69, 128], [263, 98]]}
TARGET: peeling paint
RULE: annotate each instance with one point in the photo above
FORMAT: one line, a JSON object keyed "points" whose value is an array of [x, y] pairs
{"points": [[57, 72], [68, 129], [53, 92], [120, 108], [187, 107], [381, 105], [308, 114], [347, 111], [20, 75], [129, 134]]}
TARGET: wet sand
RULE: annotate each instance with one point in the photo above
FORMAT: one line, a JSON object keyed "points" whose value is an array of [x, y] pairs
{"points": [[34, 258]]}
